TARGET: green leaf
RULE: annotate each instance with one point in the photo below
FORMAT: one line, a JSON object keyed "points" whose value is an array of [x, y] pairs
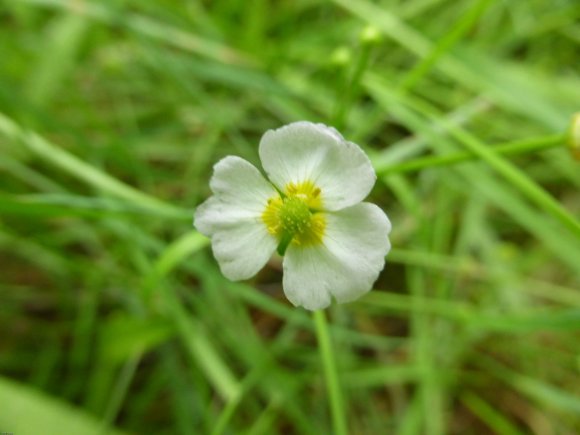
{"points": [[26, 411]]}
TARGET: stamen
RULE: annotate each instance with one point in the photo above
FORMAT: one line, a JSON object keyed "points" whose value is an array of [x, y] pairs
{"points": [[296, 217]]}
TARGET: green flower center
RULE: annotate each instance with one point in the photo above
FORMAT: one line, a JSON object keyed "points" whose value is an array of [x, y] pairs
{"points": [[294, 216]]}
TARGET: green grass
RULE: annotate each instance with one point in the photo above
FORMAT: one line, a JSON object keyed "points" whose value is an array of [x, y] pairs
{"points": [[114, 315]]}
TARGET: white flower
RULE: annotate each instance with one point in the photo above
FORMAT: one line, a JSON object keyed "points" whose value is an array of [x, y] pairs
{"points": [[334, 245]]}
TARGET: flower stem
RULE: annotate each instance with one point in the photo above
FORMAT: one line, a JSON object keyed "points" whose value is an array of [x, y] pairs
{"points": [[351, 85], [330, 373], [283, 245]]}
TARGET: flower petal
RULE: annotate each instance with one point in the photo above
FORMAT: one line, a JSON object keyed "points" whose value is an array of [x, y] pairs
{"points": [[304, 151], [232, 218], [345, 265], [242, 249]]}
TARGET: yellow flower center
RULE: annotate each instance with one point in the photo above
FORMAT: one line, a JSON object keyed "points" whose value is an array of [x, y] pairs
{"points": [[295, 217]]}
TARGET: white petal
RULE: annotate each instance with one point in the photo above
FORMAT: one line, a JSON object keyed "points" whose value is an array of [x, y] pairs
{"points": [[345, 265], [242, 250], [232, 218], [304, 151], [241, 190]]}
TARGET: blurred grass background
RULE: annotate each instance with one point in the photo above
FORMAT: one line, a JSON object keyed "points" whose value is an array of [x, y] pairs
{"points": [[114, 316]]}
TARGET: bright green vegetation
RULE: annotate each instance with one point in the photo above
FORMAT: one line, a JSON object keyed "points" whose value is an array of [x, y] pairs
{"points": [[114, 315]]}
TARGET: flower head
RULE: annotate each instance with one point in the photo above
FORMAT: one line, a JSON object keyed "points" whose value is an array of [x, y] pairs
{"points": [[309, 209], [574, 136]]}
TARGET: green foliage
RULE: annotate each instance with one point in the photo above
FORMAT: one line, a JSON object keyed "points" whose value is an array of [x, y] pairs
{"points": [[114, 313]]}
